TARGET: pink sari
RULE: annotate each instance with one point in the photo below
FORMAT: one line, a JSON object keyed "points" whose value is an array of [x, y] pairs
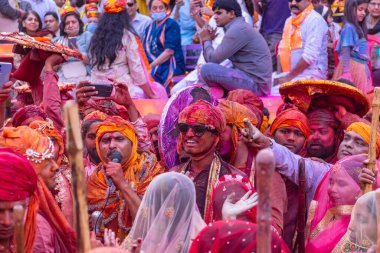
{"points": [[330, 210]]}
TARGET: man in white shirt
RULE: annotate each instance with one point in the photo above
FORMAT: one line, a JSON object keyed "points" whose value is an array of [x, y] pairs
{"points": [[303, 48], [138, 21]]}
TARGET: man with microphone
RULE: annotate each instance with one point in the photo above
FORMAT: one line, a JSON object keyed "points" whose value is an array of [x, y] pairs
{"points": [[116, 187]]}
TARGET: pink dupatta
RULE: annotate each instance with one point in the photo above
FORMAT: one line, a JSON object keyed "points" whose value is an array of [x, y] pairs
{"points": [[330, 210]]}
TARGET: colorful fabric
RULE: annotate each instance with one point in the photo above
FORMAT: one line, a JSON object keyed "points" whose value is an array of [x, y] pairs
{"points": [[115, 6], [47, 128], [23, 140], [233, 236], [329, 213], [27, 113], [202, 112], [249, 100], [227, 185], [364, 130], [160, 37], [97, 186], [292, 38], [235, 114], [291, 118], [67, 10]]}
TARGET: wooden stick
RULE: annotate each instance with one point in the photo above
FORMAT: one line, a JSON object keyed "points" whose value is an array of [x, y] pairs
{"points": [[377, 197], [372, 140], [265, 164], [301, 222], [74, 147], [18, 216]]}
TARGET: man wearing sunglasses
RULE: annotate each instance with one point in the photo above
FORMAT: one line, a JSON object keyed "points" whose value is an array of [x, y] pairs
{"points": [[303, 48], [201, 125], [139, 21]]}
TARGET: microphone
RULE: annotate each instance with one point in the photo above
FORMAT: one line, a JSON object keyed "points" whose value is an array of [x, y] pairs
{"points": [[97, 220], [116, 158]]}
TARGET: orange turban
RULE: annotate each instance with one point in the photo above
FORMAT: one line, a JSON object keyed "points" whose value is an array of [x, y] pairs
{"points": [[364, 130], [115, 6], [117, 124], [67, 10], [234, 114], [202, 112], [47, 128], [34, 145], [291, 117]]}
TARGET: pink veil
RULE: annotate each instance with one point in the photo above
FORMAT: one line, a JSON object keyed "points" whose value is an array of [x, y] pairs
{"points": [[168, 218], [330, 210]]}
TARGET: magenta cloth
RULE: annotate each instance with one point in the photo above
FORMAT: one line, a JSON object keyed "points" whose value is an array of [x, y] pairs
{"points": [[52, 99], [18, 179]]}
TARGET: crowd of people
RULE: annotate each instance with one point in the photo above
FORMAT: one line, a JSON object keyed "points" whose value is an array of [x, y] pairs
{"points": [[184, 179]]}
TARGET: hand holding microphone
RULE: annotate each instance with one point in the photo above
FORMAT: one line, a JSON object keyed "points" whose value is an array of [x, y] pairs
{"points": [[113, 169]]}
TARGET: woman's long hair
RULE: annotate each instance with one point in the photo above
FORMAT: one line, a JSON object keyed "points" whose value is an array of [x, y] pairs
{"points": [[350, 10], [107, 38], [30, 12], [63, 23]]}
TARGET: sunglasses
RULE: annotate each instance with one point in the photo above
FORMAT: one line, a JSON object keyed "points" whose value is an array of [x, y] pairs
{"points": [[130, 4], [198, 130], [297, 1]]}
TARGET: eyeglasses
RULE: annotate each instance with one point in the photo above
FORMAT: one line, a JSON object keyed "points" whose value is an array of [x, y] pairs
{"points": [[375, 5], [198, 130], [130, 4]]}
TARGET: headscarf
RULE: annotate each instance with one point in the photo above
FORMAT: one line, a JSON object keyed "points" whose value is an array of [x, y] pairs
{"points": [[364, 130], [249, 100], [39, 150], [327, 117], [168, 218], [47, 128], [96, 115], [97, 186], [291, 118], [202, 112], [328, 221], [115, 6], [18, 181], [227, 185], [233, 236], [235, 114], [27, 112]]}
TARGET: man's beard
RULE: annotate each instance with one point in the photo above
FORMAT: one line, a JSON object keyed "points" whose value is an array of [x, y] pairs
{"points": [[94, 157], [320, 151]]}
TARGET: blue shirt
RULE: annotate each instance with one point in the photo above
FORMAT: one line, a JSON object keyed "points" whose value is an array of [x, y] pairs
{"points": [[186, 23]]}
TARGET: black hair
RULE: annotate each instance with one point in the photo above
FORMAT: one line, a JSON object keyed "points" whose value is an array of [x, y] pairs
{"points": [[86, 126], [63, 23], [107, 38], [228, 6], [151, 2], [350, 9], [52, 13], [28, 12]]}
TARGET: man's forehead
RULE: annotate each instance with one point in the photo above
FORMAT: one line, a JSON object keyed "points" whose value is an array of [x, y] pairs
{"points": [[112, 134], [11, 204], [292, 128], [354, 135], [319, 125]]}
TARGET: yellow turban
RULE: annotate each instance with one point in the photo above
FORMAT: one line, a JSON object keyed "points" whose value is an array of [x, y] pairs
{"points": [[364, 130]]}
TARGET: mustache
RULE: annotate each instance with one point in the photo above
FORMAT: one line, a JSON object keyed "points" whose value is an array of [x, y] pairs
{"points": [[294, 7]]}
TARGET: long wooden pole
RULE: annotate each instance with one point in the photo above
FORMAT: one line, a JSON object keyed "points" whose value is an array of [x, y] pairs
{"points": [[265, 164], [301, 221], [18, 216], [74, 145], [372, 140]]}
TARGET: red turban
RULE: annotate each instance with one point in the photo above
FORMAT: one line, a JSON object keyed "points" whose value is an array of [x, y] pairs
{"points": [[291, 117], [249, 100], [18, 180], [152, 120], [28, 112], [202, 112]]}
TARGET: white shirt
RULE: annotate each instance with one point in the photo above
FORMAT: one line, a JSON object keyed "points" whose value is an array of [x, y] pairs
{"points": [[314, 47], [140, 23]]}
